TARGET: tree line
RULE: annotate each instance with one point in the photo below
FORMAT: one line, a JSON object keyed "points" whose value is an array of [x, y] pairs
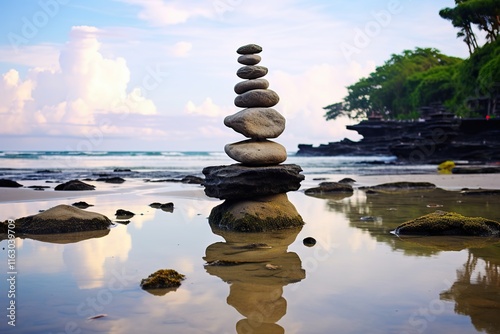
{"points": [[422, 77]]}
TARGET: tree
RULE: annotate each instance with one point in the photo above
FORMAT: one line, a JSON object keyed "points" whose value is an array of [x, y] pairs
{"points": [[484, 14], [387, 91]]}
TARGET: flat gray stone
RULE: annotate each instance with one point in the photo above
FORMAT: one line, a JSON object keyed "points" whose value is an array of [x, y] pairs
{"points": [[251, 72], [258, 123], [240, 182], [249, 49], [245, 86], [249, 59], [256, 98], [256, 153]]}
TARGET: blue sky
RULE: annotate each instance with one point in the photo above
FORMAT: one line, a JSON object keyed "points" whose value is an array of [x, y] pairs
{"points": [[159, 74]]}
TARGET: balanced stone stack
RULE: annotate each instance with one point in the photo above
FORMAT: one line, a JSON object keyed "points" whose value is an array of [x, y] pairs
{"points": [[259, 121], [260, 177]]}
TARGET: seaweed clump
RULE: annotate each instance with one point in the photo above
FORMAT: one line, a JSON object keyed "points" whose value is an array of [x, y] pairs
{"points": [[449, 223], [162, 279]]}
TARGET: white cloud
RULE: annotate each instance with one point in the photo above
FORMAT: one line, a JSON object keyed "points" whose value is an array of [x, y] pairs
{"points": [[181, 49], [208, 108], [161, 13], [66, 100]]}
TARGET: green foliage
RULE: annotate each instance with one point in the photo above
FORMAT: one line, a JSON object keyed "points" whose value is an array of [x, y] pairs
{"points": [[483, 14], [388, 90]]}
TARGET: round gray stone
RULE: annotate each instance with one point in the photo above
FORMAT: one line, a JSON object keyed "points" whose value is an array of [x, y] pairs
{"points": [[249, 49], [249, 59], [251, 72], [258, 123], [256, 153], [245, 86], [263, 98]]}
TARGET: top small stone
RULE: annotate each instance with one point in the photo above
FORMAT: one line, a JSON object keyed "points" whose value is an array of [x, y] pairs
{"points": [[249, 49]]}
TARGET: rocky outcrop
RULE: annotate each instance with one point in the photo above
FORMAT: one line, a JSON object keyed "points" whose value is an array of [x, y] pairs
{"points": [[59, 219], [163, 281], [437, 139], [449, 223], [330, 187]]}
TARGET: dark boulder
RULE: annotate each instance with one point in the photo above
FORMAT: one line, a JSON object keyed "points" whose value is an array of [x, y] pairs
{"points": [[401, 186], [240, 182], [74, 185], [4, 183], [115, 179], [124, 214], [329, 187], [82, 205]]}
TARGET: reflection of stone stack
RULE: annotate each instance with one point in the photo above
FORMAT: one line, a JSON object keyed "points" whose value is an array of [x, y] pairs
{"points": [[259, 121], [255, 190]]}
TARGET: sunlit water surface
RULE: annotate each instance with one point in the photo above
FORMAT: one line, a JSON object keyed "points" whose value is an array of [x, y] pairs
{"points": [[358, 278]]}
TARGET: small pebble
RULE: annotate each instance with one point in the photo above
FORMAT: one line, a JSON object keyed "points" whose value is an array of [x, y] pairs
{"points": [[309, 241]]}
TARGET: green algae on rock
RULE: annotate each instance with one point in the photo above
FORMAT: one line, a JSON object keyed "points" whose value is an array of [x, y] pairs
{"points": [[449, 223], [59, 219], [162, 279], [401, 186], [268, 213]]}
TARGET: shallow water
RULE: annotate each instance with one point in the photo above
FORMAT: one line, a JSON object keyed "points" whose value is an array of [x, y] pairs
{"points": [[358, 278]]}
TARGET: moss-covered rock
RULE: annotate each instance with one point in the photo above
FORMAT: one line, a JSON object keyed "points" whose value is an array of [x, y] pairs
{"points": [[162, 279], [268, 213], [401, 186], [449, 223], [59, 219]]}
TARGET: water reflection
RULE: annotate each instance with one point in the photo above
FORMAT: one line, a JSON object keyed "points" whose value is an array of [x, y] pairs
{"points": [[476, 290], [257, 266]]}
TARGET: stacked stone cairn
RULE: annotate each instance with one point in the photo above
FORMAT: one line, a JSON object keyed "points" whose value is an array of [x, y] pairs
{"points": [[255, 189]]}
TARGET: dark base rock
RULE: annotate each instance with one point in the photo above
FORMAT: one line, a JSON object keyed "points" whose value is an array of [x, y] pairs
{"points": [[401, 186], [269, 213], [449, 223], [238, 181], [59, 219]]}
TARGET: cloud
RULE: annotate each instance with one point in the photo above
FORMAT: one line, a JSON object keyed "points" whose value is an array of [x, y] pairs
{"points": [[208, 108], [65, 100], [160, 13], [181, 49]]}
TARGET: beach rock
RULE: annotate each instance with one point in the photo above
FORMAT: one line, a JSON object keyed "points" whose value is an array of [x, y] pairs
{"points": [[251, 72], [249, 49], [480, 192], [81, 205], [60, 219], [124, 214], [5, 183], [162, 279], [245, 86], [122, 170], [155, 205], [262, 214], [114, 179], [309, 242], [167, 207], [191, 179], [251, 59], [239, 182], [347, 180], [258, 123], [401, 186], [256, 153], [476, 170], [449, 223], [74, 185], [264, 98], [329, 187]]}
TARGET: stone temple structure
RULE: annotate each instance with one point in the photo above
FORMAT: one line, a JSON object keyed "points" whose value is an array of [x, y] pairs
{"points": [[255, 188]]}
